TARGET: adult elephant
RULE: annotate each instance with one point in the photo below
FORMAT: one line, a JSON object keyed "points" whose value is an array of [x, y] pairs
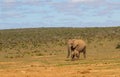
{"points": [[75, 47]]}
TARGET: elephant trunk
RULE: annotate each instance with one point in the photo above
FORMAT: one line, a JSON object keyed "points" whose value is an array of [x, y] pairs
{"points": [[69, 51]]}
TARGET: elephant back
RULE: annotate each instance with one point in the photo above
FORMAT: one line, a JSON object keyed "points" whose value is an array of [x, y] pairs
{"points": [[79, 44]]}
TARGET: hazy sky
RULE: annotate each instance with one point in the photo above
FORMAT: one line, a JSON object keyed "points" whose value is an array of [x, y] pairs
{"points": [[59, 13]]}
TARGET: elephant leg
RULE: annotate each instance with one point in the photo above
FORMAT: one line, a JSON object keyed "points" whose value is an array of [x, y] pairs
{"points": [[78, 55], [72, 55], [84, 53]]}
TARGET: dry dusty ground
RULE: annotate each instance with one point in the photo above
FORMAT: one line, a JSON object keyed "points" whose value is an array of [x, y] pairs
{"points": [[75, 69], [62, 71]]}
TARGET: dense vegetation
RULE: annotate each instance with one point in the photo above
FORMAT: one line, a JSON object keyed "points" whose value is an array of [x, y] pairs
{"points": [[36, 38]]}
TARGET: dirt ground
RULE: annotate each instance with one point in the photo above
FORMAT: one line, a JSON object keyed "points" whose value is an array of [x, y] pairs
{"points": [[78, 70]]}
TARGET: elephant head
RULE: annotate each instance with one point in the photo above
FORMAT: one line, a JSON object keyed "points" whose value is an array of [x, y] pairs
{"points": [[70, 46], [76, 45]]}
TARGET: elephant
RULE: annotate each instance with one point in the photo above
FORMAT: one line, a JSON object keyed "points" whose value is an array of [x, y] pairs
{"points": [[75, 47], [74, 54]]}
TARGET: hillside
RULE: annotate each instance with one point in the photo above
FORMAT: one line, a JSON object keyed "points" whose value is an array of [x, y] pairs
{"points": [[52, 39]]}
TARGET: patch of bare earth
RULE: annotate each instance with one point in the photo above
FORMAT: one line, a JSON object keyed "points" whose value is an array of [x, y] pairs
{"points": [[36, 70]]}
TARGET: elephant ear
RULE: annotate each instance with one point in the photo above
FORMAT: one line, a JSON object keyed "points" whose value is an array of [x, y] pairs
{"points": [[75, 44], [70, 42]]}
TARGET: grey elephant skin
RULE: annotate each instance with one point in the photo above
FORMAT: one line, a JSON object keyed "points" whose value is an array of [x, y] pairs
{"points": [[75, 47]]}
